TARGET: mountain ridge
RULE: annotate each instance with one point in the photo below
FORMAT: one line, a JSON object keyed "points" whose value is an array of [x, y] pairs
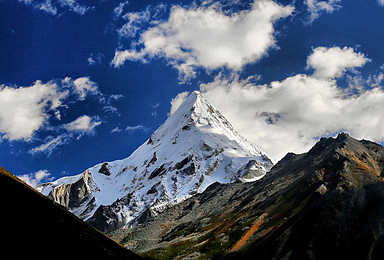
{"points": [[195, 147], [324, 204]]}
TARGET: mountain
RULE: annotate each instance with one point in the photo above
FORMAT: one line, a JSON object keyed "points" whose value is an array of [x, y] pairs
{"points": [[325, 204], [33, 226], [194, 148]]}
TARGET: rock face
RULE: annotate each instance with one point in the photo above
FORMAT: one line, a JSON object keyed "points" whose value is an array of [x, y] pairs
{"points": [[73, 194], [194, 148], [33, 225], [325, 204]]}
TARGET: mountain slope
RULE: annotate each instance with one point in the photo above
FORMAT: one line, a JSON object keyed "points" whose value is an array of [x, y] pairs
{"points": [[33, 225], [194, 148], [325, 204]]}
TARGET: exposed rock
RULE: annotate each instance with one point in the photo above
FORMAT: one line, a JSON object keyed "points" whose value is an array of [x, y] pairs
{"points": [[250, 172], [157, 172], [322, 189], [153, 160], [182, 163], [109, 218], [104, 169], [73, 195]]}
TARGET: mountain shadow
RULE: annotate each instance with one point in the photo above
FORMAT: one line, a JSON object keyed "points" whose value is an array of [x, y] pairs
{"points": [[34, 226]]}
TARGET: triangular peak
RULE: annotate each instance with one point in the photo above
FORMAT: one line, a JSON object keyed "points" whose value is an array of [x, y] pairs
{"points": [[193, 100]]}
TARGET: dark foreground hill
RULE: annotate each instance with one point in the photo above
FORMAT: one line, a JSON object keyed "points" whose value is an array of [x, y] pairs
{"points": [[33, 226], [324, 204]]}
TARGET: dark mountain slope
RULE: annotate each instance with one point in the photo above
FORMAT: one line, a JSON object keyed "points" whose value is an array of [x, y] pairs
{"points": [[325, 204], [33, 226]]}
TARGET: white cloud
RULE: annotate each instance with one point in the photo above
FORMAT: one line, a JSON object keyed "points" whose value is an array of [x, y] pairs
{"points": [[84, 86], [315, 7], [116, 130], [51, 6], [290, 115], [380, 2], [83, 125], [24, 110], [134, 22], [137, 21], [34, 179], [51, 143], [130, 129], [136, 127], [80, 126], [207, 37], [177, 101], [333, 62], [119, 10], [95, 59]]}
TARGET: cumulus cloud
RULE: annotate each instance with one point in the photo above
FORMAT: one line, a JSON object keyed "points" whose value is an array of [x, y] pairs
{"points": [[84, 86], [51, 6], [333, 62], [83, 125], [290, 115], [34, 179], [34, 112], [25, 110], [207, 37], [316, 7]]}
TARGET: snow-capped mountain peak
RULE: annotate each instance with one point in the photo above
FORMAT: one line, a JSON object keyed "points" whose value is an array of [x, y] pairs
{"points": [[195, 147]]}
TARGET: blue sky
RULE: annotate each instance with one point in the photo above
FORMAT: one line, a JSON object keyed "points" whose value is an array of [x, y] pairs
{"points": [[82, 82]]}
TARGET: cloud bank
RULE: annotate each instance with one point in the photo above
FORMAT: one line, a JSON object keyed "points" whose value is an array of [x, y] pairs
{"points": [[207, 37], [290, 115]]}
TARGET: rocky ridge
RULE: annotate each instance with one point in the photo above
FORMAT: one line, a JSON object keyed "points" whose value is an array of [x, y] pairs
{"points": [[324, 204]]}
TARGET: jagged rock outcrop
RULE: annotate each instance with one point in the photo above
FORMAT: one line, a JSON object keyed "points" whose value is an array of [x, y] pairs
{"points": [[72, 195], [324, 204]]}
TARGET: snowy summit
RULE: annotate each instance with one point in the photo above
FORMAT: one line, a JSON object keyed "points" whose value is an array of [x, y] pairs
{"points": [[195, 147]]}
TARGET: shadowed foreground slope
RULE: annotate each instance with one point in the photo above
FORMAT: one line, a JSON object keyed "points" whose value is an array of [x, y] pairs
{"points": [[33, 226], [324, 204]]}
